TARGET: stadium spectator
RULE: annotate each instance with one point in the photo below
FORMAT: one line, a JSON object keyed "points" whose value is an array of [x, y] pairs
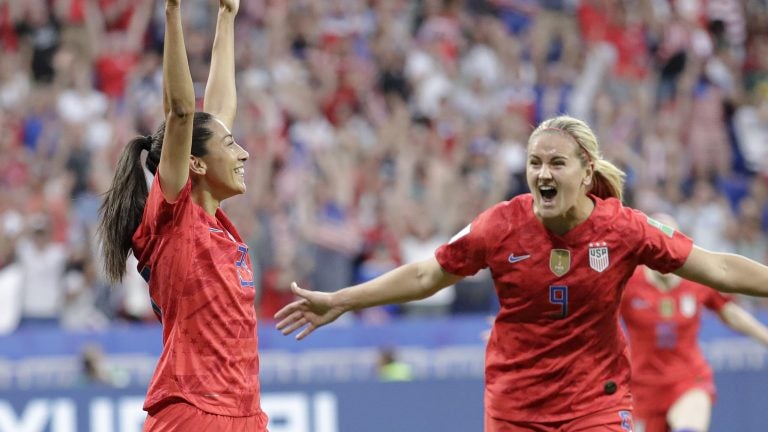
{"points": [[392, 369], [11, 274], [43, 262], [81, 287], [97, 372], [559, 257], [356, 77], [38, 25], [116, 49]]}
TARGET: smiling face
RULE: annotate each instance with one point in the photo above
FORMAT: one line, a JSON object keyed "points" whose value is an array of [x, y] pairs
{"points": [[558, 180], [224, 163]]}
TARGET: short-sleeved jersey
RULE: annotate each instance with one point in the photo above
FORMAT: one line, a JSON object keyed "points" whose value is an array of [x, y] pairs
{"points": [[202, 290], [557, 351], [663, 328]]}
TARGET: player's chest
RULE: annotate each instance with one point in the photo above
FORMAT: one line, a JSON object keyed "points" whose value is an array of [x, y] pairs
{"points": [[652, 305], [228, 256], [521, 265]]}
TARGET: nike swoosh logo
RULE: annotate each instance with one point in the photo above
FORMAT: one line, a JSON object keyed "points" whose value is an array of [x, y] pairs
{"points": [[513, 259]]}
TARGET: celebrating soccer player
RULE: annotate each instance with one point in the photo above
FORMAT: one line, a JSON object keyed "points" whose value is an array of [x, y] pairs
{"points": [[560, 257]]}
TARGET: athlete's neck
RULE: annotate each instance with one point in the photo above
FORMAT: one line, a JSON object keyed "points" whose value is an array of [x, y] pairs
{"points": [[572, 218], [204, 199]]}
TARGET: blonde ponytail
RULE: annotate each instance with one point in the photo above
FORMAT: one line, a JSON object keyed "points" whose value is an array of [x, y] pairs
{"points": [[607, 180]]}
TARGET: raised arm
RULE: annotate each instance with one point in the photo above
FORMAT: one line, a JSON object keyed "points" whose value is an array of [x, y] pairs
{"points": [[220, 94], [94, 25], [179, 104], [142, 13], [744, 322], [408, 282], [726, 272]]}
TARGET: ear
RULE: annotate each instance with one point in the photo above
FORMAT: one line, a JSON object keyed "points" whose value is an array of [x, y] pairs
{"points": [[197, 165], [589, 176]]}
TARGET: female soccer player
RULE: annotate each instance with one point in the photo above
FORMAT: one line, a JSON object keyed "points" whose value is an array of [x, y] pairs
{"points": [[672, 383], [560, 256], [196, 264]]}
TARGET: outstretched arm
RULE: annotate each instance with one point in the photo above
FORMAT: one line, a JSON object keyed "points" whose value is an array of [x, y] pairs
{"points": [[726, 272], [179, 104], [408, 282], [220, 94], [744, 322]]}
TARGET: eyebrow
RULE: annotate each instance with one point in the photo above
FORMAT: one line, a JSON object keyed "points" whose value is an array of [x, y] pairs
{"points": [[552, 157]]}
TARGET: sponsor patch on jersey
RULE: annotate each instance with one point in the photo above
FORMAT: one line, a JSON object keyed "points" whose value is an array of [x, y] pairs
{"points": [[666, 229], [598, 256], [464, 231], [688, 305], [560, 261]]}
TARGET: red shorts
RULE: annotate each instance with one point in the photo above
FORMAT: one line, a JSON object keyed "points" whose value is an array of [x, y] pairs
{"points": [[184, 417], [651, 414], [650, 400], [611, 420]]}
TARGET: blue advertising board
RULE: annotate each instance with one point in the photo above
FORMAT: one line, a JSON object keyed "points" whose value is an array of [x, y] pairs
{"points": [[326, 383]]}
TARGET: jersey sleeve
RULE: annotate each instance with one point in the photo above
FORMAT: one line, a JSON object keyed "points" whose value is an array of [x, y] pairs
{"points": [[713, 299], [661, 247], [160, 214], [159, 218], [465, 252]]}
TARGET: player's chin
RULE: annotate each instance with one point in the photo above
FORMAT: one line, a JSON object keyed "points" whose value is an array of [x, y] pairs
{"points": [[234, 191], [239, 187], [545, 205], [548, 212]]}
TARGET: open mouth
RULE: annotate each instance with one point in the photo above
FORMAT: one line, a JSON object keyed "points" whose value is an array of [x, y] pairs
{"points": [[547, 192], [240, 171]]}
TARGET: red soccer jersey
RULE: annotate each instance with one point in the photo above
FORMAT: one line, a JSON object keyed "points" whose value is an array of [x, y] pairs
{"points": [[663, 332], [202, 289], [557, 350]]}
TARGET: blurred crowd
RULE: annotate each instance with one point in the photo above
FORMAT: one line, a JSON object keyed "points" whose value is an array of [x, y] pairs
{"points": [[376, 130]]}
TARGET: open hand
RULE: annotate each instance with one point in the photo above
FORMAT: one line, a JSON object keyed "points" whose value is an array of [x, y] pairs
{"points": [[312, 310]]}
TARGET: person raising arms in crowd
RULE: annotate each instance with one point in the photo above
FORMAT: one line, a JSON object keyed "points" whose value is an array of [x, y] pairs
{"points": [[193, 258], [672, 384], [557, 358]]}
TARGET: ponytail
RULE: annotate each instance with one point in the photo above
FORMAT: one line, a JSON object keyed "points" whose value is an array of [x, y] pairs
{"points": [[607, 180], [122, 209]]}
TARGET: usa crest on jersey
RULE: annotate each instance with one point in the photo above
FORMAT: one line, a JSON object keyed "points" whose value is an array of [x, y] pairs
{"points": [[598, 256], [688, 305]]}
